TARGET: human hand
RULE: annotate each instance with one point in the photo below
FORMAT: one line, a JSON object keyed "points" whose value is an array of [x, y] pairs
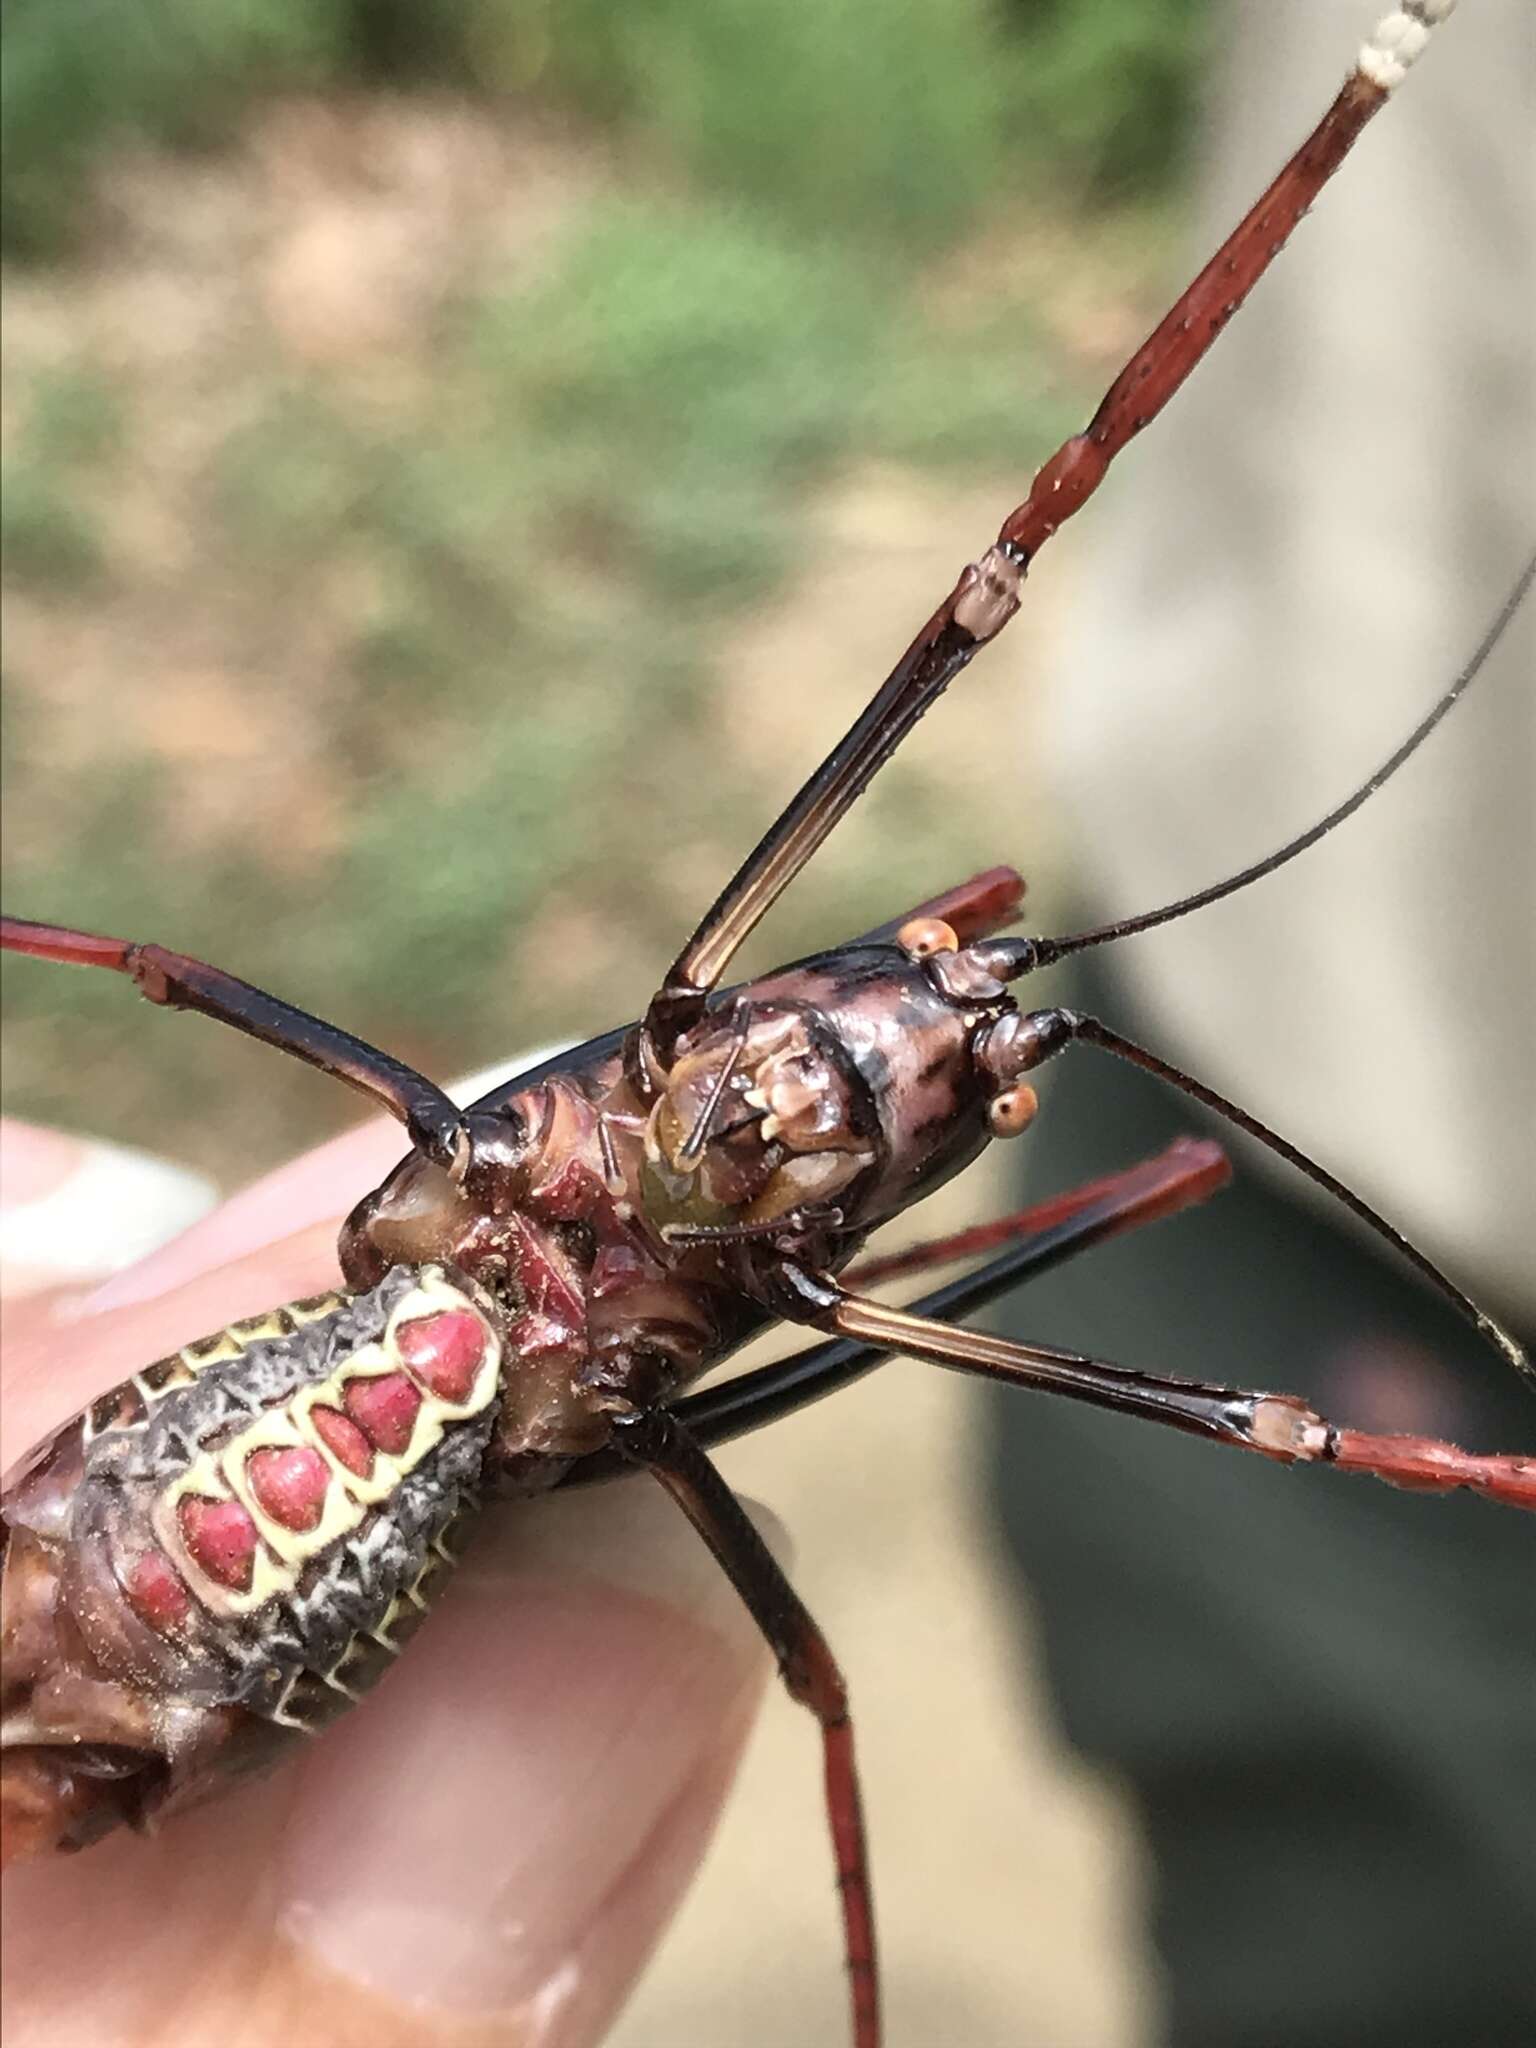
{"points": [[486, 1850]]}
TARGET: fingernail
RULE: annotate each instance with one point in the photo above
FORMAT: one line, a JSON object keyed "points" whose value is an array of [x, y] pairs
{"points": [[514, 1777], [74, 1208]]}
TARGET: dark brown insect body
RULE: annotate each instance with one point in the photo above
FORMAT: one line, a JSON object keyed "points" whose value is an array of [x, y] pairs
{"points": [[222, 1551], [225, 1550], [249, 1528]]}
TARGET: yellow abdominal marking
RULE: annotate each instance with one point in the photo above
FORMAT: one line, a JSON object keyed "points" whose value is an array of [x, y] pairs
{"points": [[181, 1368], [283, 1552]]}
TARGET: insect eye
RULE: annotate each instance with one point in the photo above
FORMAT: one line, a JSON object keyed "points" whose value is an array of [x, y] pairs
{"points": [[1013, 1111], [921, 937]]}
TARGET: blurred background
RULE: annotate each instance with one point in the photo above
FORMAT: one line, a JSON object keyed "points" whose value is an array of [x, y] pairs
{"points": [[462, 463], [462, 466]]}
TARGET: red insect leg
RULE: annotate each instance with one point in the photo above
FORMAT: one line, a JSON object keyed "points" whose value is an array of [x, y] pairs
{"points": [[1277, 1426], [178, 981], [987, 593], [657, 1440], [1190, 1171]]}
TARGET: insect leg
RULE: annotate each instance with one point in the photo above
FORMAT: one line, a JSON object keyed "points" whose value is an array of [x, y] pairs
{"points": [[973, 909], [1190, 1171], [1044, 1237], [987, 592], [435, 1123], [1278, 1426], [656, 1439], [1044, 1033]]}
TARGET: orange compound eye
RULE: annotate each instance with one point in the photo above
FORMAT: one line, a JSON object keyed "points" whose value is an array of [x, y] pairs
{"points": [[1012, 1112], [921, 937]]}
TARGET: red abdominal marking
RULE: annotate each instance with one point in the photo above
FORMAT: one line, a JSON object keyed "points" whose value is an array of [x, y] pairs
{"points": [[155, 1591], [343, 1439], [527, 1297], [289, 1483], [221, 1538], [384, 1409], [444, 1352]]}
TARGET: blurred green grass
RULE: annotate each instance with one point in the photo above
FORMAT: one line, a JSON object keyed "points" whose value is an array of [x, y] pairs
{"points": [[396, 687], [879, 118]]}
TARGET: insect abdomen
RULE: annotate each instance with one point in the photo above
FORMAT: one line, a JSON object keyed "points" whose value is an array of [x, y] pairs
{"points": [[247, 1528]]}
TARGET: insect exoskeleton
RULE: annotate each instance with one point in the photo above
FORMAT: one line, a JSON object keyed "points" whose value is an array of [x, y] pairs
{"points": [[250, 1529], [224, 1551]]}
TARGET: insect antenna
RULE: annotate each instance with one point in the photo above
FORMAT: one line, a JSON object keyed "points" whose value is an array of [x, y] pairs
{"points": [[1150, 1062], [1053, 1029], [1048, 1032], [1048, 951]]}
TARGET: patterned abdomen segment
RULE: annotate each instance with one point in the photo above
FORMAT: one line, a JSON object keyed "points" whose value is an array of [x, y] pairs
{"points": [[271, 1504]]}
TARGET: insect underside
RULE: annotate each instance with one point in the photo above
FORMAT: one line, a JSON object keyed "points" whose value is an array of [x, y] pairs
{"points": [[224, 1551]]}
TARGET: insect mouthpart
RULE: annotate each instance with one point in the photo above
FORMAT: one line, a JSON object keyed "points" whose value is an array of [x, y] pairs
{"points": [[760, 1118]]}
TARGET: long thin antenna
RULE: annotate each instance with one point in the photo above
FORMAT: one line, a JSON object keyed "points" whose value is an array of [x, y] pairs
{"points": [[1061, 1027], [1049, 950]]}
